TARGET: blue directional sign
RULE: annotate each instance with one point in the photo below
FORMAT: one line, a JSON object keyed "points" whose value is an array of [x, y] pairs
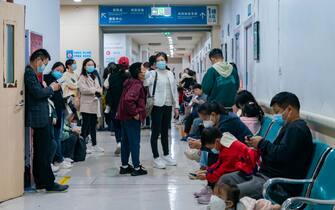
{"points": [[147, 15]]}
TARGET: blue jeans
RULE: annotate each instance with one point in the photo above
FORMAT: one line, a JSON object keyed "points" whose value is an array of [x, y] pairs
{"points": [[130, 144], [57, 135]]}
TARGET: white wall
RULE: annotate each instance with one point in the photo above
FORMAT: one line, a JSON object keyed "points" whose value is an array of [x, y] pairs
{"points": [[43, 18], [297, 49], [80, 31]]}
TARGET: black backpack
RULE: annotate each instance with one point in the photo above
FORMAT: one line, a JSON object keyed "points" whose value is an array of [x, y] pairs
{"points": [[80, 150]]}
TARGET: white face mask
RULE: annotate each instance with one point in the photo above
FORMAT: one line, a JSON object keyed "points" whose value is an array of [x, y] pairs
{"points": [[216, 203], [208, 123]]}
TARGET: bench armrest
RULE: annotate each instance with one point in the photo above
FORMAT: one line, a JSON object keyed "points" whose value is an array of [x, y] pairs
{"points": [[301, 200], [274, 181]]}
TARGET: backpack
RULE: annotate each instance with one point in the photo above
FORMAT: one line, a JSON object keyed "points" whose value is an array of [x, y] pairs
{"points": [[80, 150]]}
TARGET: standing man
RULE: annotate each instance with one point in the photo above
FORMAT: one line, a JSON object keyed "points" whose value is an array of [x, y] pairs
{"points": [[37, 117], [221, 82]]}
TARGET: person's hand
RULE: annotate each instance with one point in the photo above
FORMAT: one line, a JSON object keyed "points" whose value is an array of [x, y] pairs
{"points": [[254, 141], [55, 86], [54, 121], [76, 130], [194, 144], [196, 101], [176, 113], [137, 117], [201, 176], [44, 84]]}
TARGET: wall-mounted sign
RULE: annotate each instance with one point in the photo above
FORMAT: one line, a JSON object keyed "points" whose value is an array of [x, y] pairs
{"points": [[256, 41], [238, 19], [78, 54], [147, 15], [249, 10]]}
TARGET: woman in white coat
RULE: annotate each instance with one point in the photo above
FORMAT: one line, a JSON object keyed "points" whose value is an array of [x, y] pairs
{"points": [[165, 101]]}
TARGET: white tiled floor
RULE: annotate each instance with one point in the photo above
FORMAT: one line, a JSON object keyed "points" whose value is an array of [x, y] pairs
{"points": [[96, 185]]}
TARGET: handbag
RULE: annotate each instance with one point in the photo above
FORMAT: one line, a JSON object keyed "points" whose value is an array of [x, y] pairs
{"points": [[150, 99]]}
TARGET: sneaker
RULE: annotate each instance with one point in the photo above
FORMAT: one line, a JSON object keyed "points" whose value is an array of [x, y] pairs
{"points": [[57, 188], [54, 168], [192, 154], [69, 160], [108, 109], [118, 149], [64, 165], [88, 151], [139, 172], [127, 170], [96, 148], [205, 199], [205, 191], [159, 163], [40, 189], [169, 161]]}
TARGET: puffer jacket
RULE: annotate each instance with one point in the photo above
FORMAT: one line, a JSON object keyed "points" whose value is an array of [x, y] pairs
{"points": [[133, 100], [233, 156]]}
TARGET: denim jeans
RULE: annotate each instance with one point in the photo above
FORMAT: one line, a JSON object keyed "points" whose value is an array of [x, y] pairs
{"points": [[130, 144], [57, 136]]}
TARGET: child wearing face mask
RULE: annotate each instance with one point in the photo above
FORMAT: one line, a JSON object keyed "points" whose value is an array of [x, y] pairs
{"points": [[226, 197], [233, 156], [252, 117]]}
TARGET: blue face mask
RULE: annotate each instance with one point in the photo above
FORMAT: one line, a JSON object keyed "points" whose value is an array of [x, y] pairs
{"points": [[278, 118], [161, 65], [40, 69], [90, 69], [215, 151], [74, 66], [57, 74]]}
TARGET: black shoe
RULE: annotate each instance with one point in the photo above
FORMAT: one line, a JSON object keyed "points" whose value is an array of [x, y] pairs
{"points": [[57, 188], [127, 170], [141, 171]]}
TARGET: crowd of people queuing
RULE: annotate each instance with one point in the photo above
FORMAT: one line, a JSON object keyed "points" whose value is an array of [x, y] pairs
{"points": [[221, 125]]}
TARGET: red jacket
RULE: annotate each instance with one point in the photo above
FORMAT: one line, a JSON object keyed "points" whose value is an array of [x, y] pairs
{"points": [[133, 100], [238, 157]]}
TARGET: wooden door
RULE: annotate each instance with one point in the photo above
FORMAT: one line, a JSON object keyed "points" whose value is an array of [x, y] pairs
{"points": [[12, 49]]}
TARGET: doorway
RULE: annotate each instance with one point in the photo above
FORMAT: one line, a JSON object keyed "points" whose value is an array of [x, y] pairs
{"points": [[11, 100], [249, 64]]}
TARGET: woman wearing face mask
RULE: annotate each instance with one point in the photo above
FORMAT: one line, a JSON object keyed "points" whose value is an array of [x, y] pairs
{"points": [[70, 87], [165, 101], [90, 93], [56, 75]]}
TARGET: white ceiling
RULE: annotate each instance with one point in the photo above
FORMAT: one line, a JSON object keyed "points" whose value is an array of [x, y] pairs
{"points": [[127, 2], [189, 45]]}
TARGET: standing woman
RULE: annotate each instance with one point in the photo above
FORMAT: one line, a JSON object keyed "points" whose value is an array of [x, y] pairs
{"points": [[90, 94], [55, 76], [132, 112], [70, 87], [165, 101]]}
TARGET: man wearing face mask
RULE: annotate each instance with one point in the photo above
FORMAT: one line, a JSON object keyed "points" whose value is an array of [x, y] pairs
{"points": [[37, 117], [288, 157], [221, 82]]}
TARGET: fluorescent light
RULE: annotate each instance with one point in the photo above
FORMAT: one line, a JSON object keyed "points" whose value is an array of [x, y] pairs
{"points": [[78, 1]]}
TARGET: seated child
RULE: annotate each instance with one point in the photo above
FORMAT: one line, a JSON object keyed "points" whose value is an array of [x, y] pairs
{"points": [[226, 196], [252, 116], [233, 156]]}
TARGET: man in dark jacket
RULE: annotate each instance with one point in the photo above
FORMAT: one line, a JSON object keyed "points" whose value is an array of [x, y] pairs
{"points": [[37, 117], [221, 82], [116, 81], [288, 157]]}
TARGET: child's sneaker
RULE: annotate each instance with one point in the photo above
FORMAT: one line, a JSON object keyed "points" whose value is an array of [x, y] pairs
{"points": [[139, 171], [205, 191], [205, 199]]}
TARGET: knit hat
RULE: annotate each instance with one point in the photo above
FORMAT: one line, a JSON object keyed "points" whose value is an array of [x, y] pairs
{"points": [[124, 62]]}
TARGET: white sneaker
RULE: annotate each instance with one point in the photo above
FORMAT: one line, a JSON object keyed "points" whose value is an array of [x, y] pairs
{"points": [[96, 148], [88, 151], [69, 160], [65, 165], [159, 163], [169, 161], [54, 168]]}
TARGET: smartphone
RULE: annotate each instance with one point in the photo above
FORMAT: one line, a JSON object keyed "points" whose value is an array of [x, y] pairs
{"points": [[249, 137], [193, 174]]}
